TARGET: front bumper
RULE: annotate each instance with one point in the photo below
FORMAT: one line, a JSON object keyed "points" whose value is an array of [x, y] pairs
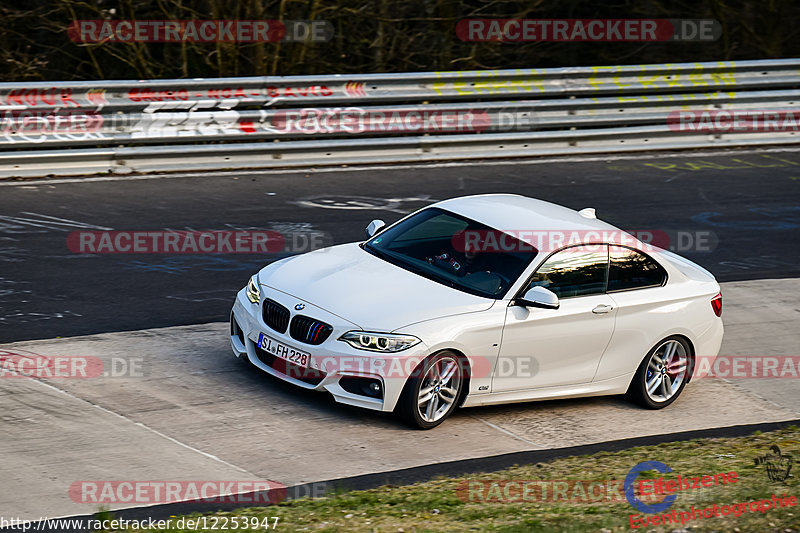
{"points": [[330, 361]]}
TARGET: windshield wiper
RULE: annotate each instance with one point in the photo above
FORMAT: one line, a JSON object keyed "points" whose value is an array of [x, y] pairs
{"points": [[377, 253], [425, 273]]}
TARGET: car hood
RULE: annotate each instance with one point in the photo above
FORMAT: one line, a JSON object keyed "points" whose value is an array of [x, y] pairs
{"points": [[366, 290]]}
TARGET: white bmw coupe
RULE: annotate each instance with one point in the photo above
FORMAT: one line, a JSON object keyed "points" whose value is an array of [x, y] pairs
{"points": [[481, 300]]}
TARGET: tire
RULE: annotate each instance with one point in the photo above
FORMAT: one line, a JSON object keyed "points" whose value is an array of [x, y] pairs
{"points": [[677, 353], [445, 394]]}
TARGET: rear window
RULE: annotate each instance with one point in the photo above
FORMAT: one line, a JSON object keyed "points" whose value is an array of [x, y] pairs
{"points": [[631, 269]]}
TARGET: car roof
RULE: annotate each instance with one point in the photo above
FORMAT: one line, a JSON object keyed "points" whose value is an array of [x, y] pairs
{"points": [[515, 213]]}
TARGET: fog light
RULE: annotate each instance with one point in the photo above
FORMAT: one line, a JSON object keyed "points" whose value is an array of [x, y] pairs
{"points": [[363, 386]]}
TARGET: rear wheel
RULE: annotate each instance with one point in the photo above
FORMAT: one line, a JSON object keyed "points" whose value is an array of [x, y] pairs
{"points": [[663, 374], [432, 391]]}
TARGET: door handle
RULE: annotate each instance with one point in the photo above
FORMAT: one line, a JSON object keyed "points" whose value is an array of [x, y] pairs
{"points": [[602, 309]]}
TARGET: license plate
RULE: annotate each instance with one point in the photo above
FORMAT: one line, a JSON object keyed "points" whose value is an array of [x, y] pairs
{"points": [[278, 349]]}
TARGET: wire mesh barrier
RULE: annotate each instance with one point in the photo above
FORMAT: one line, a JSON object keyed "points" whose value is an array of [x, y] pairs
{"points": [[75, 128]]}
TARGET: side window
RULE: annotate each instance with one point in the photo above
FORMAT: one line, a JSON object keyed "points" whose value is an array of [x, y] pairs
{"points": [[575, 271], [631, 269]]}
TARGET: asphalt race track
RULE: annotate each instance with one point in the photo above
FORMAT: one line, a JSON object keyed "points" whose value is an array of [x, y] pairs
{"points": [[742, 208]]}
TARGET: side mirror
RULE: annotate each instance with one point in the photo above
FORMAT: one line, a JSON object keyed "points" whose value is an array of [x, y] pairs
{"points": [[374, 227], [539, 297]]}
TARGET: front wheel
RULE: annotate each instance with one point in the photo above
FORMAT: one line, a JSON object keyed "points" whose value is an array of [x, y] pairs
{"points": [[663, 374], [432, 391]]}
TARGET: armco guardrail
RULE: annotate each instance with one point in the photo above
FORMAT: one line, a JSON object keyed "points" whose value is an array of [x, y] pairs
{"points": [[126, 126]]}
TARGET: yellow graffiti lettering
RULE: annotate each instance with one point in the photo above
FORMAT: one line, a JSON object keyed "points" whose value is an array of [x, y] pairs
{"points": [[663, 166], [648, 81], [438, 85], [725, 77], [697, 77], [702, 165], [674, 81], [597, 79], [461, 87], [619, 83], [794, 163], [752, 164]]}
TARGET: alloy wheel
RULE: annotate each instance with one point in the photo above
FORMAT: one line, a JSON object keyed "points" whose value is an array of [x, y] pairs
{"points": [[666, 371], [439, 389]]}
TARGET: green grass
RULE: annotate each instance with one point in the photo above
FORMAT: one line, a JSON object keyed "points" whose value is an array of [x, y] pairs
{"points": [[434, 506]]}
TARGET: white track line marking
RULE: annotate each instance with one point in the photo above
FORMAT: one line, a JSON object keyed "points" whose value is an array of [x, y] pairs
{"points": [[148, 428], [507, 432]]}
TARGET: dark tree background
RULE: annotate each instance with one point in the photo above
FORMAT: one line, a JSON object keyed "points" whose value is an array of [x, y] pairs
{"points": [[371, 36]]}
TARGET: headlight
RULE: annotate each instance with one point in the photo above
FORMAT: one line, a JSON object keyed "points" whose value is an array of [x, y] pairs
{"points": [[253, 292], [378, 342]]}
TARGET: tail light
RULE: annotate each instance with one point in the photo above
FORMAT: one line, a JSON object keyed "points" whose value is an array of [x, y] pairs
{"points": [[716, 304]]}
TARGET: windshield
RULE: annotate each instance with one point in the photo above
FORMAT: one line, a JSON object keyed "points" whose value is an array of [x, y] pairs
{"points": [[450, 249]]}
